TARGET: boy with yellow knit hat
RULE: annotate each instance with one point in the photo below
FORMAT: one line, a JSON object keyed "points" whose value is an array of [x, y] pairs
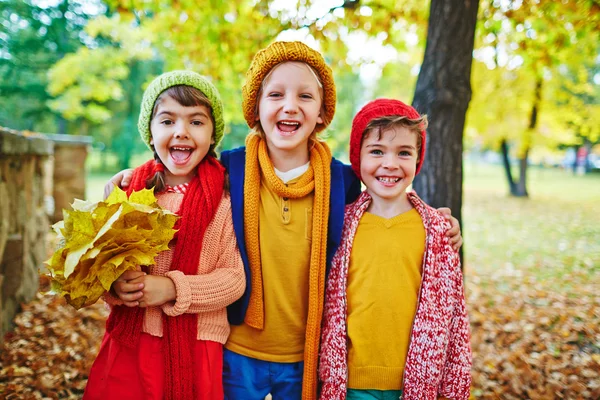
{"points": [[288, 196], [289, 217]]}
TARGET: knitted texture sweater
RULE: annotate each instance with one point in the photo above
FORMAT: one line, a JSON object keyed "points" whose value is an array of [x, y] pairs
{"points": [[438, 362], [219, 282]]}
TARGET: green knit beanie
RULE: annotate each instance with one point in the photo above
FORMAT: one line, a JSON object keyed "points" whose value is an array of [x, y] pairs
{"points": [[175, 78]]}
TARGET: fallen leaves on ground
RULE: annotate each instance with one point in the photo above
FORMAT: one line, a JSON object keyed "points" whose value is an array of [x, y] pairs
{"points": [[532, 342], [51, 350]]}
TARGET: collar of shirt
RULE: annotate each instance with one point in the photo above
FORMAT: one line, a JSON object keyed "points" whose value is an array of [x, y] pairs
{"points": [[181, 189], [292, 173]]}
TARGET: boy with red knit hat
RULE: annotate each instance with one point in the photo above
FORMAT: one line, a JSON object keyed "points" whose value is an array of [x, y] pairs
{"points": [[395, 319]]}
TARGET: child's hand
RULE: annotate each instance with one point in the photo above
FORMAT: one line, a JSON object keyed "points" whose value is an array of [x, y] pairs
{"points": [[121, 179], [455, 238], [127, 290], [157, 290]]}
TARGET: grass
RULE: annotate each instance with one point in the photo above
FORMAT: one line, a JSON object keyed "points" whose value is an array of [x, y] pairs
{"points": [[554, 232]]}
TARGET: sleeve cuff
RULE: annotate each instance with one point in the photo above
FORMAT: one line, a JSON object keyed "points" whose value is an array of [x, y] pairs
{"points": [[183, 298], [112, 300]]}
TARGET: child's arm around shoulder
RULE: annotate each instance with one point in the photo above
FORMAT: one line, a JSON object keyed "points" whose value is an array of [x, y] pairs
{"points": [[225, 280], [121, 179]]}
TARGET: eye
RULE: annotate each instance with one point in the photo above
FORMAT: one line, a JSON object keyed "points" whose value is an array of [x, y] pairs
{"points": [[307, 96], [274, 94], [376, 152], [166, 122], [405, 153], [197, 123]]}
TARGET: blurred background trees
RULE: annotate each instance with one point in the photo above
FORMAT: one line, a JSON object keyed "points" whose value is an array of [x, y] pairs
{"points": [[80, 67]]}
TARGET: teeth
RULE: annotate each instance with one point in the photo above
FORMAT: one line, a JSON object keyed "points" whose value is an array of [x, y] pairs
{"points": [[388, 180], [288, 123], [181, 148]]}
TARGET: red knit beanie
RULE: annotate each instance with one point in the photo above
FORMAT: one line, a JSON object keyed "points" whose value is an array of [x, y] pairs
{"points": [[376, 109]]}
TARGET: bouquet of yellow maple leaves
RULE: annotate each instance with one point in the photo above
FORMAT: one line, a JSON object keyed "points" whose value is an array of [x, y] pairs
{"points": [[99, 241]]}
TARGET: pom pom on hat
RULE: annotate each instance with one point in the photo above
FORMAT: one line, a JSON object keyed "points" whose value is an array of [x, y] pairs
{"points": [[277, 53], [175, 78], [377, 109]]}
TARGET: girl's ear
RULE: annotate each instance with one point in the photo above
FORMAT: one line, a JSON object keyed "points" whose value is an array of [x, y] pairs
{"points": [[152, 142], [212, 140], [320, 118]]}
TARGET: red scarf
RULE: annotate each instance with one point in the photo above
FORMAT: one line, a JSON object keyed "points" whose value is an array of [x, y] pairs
{"points": [[125, 323]]}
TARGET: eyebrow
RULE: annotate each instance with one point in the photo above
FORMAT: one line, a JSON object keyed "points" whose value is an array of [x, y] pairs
{"points": [[197, 113], [405, 146], [273, 85]]}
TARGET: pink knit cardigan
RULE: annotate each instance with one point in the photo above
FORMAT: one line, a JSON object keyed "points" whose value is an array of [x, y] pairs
{"points": [[220, 280], [438, 362]]}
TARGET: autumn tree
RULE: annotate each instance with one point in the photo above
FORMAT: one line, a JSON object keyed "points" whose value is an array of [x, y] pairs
{"points": [[534, 44], [100, 85]]}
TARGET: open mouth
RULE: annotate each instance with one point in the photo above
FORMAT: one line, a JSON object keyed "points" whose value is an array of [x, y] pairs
{"points": [[388, 180], [288, 126], [180, 155]]}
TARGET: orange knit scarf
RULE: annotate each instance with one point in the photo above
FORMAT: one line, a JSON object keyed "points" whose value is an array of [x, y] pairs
{"points": [[317, 178]]}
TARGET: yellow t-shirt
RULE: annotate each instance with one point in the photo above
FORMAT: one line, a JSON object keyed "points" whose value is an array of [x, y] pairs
{"points": [[384, 277], [285, 234]]}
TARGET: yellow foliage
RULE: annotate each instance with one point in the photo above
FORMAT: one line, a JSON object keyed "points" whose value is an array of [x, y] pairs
{"points": [[100, 241]]}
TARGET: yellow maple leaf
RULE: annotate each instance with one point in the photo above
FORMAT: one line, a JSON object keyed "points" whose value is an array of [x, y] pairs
{"points": [[99, 241]]}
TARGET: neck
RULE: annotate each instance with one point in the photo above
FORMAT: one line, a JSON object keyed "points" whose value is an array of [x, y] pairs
{"points": [[285, 160], [389, 208], [174, 180]]}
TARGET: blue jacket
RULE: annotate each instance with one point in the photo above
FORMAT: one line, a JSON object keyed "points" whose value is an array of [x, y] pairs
{"points": [[345, 188]]}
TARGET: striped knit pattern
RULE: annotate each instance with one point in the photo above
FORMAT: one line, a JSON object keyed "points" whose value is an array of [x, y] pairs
{"points": [[277, 53], [317, 178], [439, 355]]}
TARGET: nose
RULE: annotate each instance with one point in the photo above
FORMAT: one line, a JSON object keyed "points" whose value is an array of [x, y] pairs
{"points": [[290, 105], [181, 131], [390, 161]]}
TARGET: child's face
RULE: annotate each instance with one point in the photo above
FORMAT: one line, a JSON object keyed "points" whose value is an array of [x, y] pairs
{"points": [[289, 108], [388, 163], [181, 137]]}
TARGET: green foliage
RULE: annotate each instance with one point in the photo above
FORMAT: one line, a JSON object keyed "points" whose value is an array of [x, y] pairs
{"points": [[37, 35], [86, 81]]}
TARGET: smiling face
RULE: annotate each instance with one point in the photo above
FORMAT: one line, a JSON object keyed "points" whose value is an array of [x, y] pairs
{"points": [[289, 108], [388, 163], [181, 137]]}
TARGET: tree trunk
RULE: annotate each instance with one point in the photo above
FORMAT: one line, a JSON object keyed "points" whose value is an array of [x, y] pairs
{"points": [[512, 186], [522, 184], [523, 159], [443, 92]]}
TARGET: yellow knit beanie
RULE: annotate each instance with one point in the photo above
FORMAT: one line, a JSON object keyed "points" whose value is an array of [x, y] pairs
{"points": [[277, 53]]}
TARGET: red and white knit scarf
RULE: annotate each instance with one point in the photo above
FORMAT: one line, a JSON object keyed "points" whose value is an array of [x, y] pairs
{"points": [[124, 324]]}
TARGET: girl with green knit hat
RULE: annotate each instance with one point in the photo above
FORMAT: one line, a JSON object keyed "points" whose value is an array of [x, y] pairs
{"points": [[165, 333]]}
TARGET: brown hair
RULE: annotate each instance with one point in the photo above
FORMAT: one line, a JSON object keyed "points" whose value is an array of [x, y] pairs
{"points": [[383, 124], [187, 96]]}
